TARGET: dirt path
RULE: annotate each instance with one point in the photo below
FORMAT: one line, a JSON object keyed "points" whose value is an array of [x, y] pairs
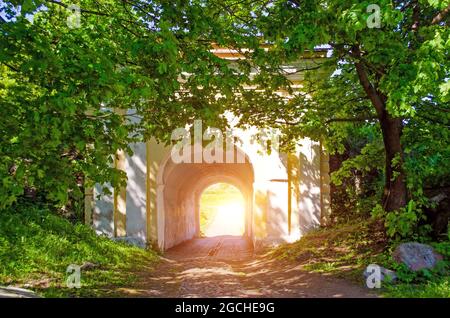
{"points": [[225, 266]]}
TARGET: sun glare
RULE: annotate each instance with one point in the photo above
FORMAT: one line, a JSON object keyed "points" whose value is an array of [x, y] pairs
{"points": [[222, 211]]}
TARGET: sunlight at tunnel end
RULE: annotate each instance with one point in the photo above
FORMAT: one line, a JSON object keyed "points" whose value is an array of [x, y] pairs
{"points": [[222, 211]]}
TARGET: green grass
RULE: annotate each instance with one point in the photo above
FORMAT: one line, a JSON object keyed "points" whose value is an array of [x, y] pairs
{"points": [[37, 246], [438, 288], [345, 251]]}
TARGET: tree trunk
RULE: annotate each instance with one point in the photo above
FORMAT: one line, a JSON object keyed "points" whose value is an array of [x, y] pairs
{"points": [[395, 193]]}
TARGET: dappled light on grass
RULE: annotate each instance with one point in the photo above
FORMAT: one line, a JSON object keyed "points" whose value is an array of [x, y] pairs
{"points": [[38, 258]]}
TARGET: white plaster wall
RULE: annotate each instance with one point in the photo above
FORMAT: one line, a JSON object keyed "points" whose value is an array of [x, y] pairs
{"points": [[136, 197], [103, 212], [271, 193], [309, 203], [270, 178], [277, 212]]}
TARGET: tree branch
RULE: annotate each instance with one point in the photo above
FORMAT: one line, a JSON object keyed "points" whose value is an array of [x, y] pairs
{"points": [[10, 67], [441, 15], [288, 123], [366, 84], [331, 120], [355, 119], [416, 17]]}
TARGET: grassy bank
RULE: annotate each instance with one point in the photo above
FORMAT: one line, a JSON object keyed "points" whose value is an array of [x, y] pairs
{"points": [[345, 251], [37, 246]]}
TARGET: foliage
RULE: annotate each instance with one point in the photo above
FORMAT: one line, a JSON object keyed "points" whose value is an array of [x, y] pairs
{"points": [[394, 75], [356, 173], [36, 246], [66, 92], [403, 223], [367, 160], [427, 153], [345, 250]]}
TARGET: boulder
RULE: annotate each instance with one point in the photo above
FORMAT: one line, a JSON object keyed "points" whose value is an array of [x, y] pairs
{"points": [[416, 256]]}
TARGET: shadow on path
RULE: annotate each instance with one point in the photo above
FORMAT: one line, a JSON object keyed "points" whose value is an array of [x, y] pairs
{"points": [[225, 266]]}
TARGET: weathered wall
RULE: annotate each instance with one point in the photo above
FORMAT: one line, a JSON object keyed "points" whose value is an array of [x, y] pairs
{"points": [[157, 156], [103, 211], [136, 192], [162, 197]]}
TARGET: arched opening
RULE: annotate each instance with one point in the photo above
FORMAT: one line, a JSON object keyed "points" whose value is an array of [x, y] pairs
{"points": [[222, 211], [180, 186]]}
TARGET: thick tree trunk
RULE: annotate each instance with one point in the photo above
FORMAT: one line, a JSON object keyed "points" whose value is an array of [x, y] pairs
{"points": [[395, 193]]}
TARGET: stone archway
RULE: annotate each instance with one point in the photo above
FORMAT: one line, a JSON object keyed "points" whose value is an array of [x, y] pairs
{"points": [[159, 205], [179, 190]]}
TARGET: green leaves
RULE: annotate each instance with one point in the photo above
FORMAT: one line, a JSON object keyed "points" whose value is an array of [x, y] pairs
{"points": [[370, 158], [60, 87], [162, 68], [403, 76], [403, 223], [65, 92]]}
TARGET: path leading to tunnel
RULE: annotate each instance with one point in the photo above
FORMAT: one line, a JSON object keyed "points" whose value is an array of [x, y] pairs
{"points": [[225, 266]]}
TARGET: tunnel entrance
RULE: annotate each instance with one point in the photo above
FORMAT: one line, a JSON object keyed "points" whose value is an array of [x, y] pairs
{"points": [[222, 211], [179, 194]]}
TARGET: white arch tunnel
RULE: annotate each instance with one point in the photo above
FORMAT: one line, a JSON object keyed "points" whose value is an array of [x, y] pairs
{"points": [[160, 205], [183, 185]]}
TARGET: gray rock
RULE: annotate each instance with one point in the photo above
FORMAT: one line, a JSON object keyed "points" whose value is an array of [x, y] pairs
{"points": [[416, 256], [131, 240], [386, 274], [15, 292]]}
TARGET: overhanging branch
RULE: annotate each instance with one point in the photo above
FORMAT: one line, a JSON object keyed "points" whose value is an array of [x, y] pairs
{"points": [[354, 119], [441, 15]]}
